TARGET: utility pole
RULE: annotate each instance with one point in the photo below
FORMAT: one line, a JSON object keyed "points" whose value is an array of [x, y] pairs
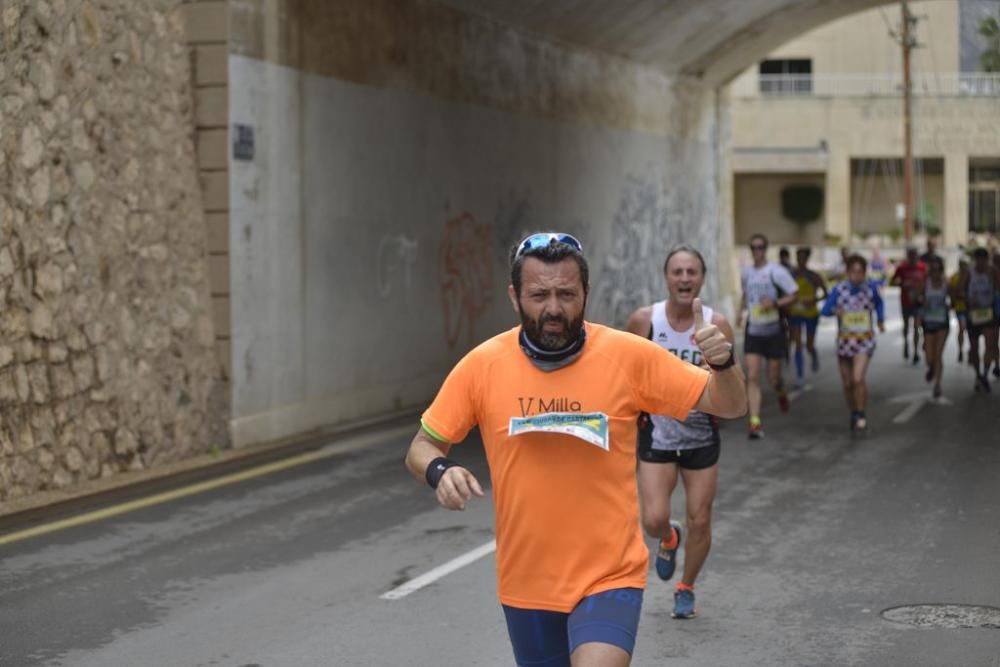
{"points": [[908, 42]]}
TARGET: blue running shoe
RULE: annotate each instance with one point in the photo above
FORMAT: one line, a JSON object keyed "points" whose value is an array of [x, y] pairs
{"points": [[684, 604], [666, 559]]}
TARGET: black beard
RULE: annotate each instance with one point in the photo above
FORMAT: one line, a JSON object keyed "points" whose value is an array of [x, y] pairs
{"points": [[549, 341]]}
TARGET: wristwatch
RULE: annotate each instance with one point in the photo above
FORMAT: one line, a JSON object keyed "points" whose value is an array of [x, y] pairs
{"points": [[729, 363]]}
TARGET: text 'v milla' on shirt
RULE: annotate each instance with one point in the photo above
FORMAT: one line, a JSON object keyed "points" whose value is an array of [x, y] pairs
{"points": [[561, 451]]}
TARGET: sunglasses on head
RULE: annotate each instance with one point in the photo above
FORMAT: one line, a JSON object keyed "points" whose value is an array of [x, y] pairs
{"points": [[536, 241]]}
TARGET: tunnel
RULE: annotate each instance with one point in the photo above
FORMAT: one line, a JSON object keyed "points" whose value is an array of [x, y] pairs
{"points": [[399, 148]]}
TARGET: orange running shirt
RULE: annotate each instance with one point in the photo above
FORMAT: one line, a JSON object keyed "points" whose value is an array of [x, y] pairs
{"points": [[567, 509]]}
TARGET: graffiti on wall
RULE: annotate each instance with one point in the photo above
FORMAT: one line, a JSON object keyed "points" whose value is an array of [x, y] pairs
{"points": [[511, 221], [394, 261], [467, 285], [649, 220]]}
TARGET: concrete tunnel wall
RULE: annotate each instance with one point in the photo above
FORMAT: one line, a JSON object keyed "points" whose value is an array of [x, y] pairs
{"points": [[401, 149]]}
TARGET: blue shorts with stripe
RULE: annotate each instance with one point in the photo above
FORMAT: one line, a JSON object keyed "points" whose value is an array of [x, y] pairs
{"points": [[543, 638]]}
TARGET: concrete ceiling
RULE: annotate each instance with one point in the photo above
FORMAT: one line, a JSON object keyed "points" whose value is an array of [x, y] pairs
{"points": [[710, 39]]}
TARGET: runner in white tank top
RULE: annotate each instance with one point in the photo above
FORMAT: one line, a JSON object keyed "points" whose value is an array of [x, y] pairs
{"points": [[669, 448], [699, 429], [934, 320]]}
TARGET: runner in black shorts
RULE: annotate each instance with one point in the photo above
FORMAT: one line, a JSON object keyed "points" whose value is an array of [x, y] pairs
{"points": [[670, 447], [909, 276], [767, 288], [934, 320]]}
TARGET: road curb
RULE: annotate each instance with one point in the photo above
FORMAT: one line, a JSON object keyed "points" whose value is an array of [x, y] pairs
{"points": [[48, 505]]}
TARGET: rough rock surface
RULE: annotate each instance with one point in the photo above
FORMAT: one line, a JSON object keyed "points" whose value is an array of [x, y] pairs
{"points": [[106, 360]]}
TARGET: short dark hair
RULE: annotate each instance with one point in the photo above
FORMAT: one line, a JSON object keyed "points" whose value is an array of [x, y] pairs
{"points": [[553, 253], [758, 235], [803, 250], [856, 259], [980, 253], [684, 247], [938, 262]]}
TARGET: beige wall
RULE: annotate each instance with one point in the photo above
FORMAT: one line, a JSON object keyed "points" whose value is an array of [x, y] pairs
{"points": [[207, 30], [953, 128], [758, 209], [861, 43]]}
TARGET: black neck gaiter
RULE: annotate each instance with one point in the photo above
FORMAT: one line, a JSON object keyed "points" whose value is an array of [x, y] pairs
{"points": [[549, 361]]}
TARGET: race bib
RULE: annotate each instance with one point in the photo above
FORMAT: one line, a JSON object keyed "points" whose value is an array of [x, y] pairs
{"points": [[761, 315], [591, 427], [936, 315], [979, 316], [856, 322]]}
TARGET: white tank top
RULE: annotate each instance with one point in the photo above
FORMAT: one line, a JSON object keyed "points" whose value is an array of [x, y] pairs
{"points": [[935, 309], [699, 429]]}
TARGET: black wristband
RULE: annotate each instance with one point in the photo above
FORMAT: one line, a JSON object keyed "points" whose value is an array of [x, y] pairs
{"points": [[728, 364], [435, 470]]}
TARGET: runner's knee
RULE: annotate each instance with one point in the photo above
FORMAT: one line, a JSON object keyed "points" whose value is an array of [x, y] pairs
{"points": [[656, 521], [699, 523]]}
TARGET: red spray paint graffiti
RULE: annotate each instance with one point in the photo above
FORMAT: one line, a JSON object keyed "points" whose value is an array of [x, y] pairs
{"points": [[466, 276]]}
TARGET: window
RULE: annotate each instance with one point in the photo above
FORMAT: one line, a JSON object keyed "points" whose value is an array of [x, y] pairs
{"points": [[984, 195], [984, 210], [790, 76]]}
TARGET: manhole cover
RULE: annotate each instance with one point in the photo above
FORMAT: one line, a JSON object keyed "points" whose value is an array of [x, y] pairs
{"points": [[945, 616]]}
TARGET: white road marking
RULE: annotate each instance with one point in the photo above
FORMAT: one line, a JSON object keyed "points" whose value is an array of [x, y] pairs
{"points": [[915, 401], [795, 393], [440, 571], [910, 410]]}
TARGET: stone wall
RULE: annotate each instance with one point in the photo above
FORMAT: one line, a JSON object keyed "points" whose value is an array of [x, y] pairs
{"points": [[106, 338]]}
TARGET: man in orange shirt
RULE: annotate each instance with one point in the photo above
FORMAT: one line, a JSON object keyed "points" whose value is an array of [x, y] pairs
{"points": [[556, 402]]}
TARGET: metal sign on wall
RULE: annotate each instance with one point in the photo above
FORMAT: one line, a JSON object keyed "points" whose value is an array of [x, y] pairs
{"points": [[242, 142]]}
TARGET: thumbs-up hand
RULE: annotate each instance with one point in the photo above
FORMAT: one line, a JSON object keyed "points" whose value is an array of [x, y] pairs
{"points": [[714, 346]]}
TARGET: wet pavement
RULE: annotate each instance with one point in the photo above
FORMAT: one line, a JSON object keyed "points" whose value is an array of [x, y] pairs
{"points": [[815, 535]]}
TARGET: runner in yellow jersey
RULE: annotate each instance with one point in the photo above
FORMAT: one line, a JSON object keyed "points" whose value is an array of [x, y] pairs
{"points": [[804, 313]]}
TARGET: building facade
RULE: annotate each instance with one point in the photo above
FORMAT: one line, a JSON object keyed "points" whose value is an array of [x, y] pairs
{"points": [[822, 117]]}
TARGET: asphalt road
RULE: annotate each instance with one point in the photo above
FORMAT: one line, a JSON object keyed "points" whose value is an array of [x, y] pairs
{"points": [[815, 534]]}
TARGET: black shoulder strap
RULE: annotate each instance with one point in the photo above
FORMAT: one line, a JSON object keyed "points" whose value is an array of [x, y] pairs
{"points": [[774, 282]]}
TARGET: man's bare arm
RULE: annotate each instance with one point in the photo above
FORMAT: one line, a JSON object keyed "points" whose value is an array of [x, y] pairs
{"points": [[725, 394], [456, 486], [640, 321]]}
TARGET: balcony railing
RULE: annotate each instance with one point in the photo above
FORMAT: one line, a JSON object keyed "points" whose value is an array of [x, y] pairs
{"points": [[867, 85]]}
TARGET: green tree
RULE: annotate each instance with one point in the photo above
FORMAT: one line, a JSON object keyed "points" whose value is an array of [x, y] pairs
{"points": [[989, 28]]}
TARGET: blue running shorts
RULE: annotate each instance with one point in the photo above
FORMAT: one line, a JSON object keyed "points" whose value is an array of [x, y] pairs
{"points": [[810, 323], [542, 638]]}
